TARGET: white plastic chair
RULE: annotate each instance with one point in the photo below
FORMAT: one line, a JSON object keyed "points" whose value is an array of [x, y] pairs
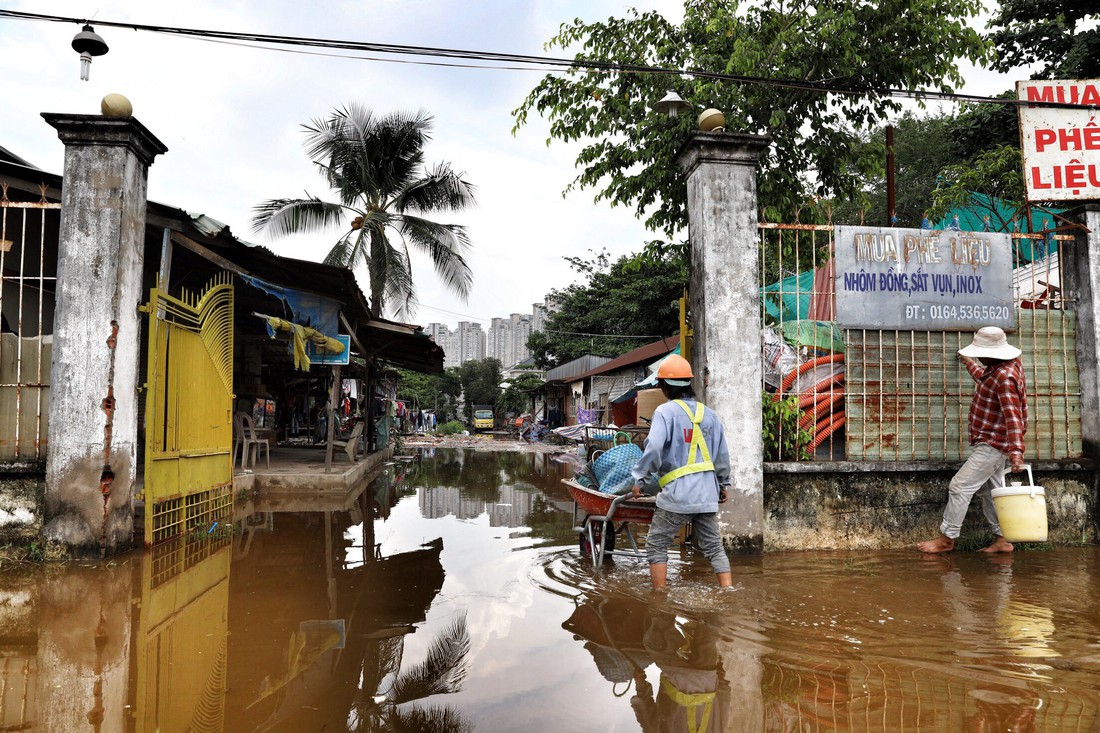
{"points": [[251, 442], [351, 445]]}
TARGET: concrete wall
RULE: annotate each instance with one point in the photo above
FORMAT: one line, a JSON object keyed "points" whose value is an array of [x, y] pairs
{"points": [[856, 506], [1081, 282]]}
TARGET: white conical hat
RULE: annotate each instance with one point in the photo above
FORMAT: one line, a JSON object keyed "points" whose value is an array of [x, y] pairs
{"points": [[990, 342]]}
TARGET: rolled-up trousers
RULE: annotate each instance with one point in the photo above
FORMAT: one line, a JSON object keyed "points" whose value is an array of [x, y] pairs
{"points": [[983, 471]]}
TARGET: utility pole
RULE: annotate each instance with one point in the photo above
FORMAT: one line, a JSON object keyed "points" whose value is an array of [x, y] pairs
{"points": [[891, 218]]}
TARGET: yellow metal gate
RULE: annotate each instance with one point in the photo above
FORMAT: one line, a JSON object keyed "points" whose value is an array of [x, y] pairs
{"points": [[189, 411]]}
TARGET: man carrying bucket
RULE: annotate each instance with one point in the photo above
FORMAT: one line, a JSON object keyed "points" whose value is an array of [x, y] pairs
{"points": [[686, 450], [998, 421]]}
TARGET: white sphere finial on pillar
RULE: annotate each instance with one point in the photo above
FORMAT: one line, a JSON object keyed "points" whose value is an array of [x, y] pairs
{"points": [[116, 105], [712, 120]]}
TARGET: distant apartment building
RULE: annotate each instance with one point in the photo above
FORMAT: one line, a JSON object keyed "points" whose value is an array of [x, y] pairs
{"points": [[466, 343], [439, 332], [520, 332], [539, 314], [505, 340], [497, 340]]}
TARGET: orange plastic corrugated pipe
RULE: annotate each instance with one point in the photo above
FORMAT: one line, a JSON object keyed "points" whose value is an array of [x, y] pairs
{"points": [[803, 368]]}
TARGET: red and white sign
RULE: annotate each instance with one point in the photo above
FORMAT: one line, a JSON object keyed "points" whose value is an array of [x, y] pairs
{"points": [[1060, 145]]}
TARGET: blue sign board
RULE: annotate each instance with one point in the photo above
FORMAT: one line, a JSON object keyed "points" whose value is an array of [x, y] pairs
{"points": [[323, 357], [923, 280]]}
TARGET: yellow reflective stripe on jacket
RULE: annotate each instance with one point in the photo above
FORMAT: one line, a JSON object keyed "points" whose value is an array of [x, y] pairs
{"points": [[698, 446], [691, 701]]}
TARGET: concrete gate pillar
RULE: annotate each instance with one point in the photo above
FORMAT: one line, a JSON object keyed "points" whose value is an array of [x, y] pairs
{"points": [[90, 465], [725, 307], [1081, 281]]}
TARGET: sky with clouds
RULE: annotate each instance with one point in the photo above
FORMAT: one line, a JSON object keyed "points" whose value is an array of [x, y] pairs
{"points": [[231, 118]]}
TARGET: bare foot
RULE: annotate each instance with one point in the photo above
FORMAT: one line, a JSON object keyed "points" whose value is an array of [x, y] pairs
{"points": [[940, 544], [999, 545]]}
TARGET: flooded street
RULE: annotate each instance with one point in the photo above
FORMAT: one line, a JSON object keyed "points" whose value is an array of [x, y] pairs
{"points": [[451, 596]]}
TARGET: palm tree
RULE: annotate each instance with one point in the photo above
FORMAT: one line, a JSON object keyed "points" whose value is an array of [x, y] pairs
{"points": [[375, 164]]}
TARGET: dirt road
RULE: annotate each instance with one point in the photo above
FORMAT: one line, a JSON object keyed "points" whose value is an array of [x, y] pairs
{"points": [[486, 442]]}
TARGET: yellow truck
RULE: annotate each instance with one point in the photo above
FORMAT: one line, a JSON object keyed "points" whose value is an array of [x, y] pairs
{"points": [[483, 418]]}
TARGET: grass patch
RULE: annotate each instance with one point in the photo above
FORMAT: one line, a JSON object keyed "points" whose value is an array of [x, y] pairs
{"points": [[32, 553], [217, 531], [976, 540]]}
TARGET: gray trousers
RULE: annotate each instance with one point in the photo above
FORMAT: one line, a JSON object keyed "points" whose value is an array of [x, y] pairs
{"points": [[983, 471], [665, 526]]}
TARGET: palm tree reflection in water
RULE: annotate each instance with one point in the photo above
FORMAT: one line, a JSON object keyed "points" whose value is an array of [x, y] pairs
{"points": [[441, 672]]}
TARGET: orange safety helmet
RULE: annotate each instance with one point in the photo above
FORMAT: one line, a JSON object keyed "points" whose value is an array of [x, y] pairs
{"points": [[675, 370]]}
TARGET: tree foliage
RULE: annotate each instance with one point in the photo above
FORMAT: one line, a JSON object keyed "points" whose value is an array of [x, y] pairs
{"points": [[480, 379], [922, 148], [438, 392], [980, 127], [996, 173], [516, 398], [783, 439], [863, 47], [375, 165], [620, 307], [1061, 36]]}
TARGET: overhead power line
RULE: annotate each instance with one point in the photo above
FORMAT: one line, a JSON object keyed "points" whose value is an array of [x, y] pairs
{"points": [[525, 62], [602, 335], [467, 316]]}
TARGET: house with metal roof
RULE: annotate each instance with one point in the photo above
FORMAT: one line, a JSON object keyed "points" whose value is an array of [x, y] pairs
{"points": [[281, 338], [606, 393]]}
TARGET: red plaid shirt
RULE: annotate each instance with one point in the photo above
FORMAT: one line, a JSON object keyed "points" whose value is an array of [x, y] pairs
{"points": [[998, 414]]}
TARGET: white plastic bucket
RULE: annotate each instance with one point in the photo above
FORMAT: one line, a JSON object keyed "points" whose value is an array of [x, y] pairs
{"points": [[1022, 510]]}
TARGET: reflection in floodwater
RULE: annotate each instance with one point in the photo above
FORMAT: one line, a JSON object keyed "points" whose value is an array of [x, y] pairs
{"points": [[626, 636], [449, 596]]}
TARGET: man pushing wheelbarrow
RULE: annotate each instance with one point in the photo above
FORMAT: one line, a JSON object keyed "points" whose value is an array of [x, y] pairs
{"points": [[686, 463]]}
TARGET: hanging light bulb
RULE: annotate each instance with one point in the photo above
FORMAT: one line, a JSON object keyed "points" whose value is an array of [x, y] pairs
{"points": [[672, 104], [87, 43]]}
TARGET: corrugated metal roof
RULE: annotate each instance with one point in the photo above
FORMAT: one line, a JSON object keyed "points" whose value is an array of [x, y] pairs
{"points": [[404, 345], [10, 157], [581, 364], [643, 354], [399, 344], [1033, 279]]}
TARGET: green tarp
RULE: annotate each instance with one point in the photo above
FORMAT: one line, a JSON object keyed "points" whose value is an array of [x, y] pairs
{"points": [[989, 213], [788, 299]]}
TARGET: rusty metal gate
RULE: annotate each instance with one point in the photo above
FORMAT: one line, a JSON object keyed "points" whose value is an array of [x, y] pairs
{"points": [[900, 395], [28, 267], [188, 411]]}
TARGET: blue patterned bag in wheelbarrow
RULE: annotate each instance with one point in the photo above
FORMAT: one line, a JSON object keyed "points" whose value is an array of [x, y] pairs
{"points": [[612, 468]]}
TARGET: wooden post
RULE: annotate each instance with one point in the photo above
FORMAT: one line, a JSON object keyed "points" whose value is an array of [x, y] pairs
{"points": [[334, 394]]}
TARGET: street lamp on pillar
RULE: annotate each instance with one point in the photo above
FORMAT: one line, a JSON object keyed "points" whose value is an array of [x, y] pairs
{"points": [[672, 104], [87, 43]]}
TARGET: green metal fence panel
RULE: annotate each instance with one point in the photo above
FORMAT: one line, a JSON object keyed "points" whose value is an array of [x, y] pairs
{"points": [[907, 394]]}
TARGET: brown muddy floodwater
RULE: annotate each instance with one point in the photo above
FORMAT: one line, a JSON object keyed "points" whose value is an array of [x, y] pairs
{"points": [[451, 597]]}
